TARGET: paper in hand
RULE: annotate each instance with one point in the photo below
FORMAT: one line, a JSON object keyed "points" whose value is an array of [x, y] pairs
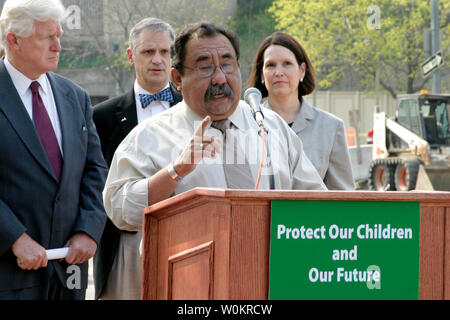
{"points": [[60, 253]]}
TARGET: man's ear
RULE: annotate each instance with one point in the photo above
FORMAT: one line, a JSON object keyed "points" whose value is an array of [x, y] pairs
{"points": [[11, 39], [130, 57], [176, 78]]}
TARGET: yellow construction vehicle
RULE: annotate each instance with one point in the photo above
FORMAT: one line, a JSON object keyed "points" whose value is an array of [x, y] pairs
{"points": [[412, 150]]}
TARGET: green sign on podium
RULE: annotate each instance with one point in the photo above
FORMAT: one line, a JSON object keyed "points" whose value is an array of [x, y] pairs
{"points": [[344, 250]]}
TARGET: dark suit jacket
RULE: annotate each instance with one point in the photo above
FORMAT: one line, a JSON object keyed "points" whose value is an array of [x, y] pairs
{"points": [[114, 119], [31, 199]]}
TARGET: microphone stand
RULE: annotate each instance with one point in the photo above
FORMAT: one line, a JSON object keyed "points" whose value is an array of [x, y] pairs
{"points": [[253, 98], [264, 133]]}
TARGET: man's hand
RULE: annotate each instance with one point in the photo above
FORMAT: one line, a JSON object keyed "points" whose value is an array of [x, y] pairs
{"points": [[81, 248], [199, 147], [161, 185], [30, 254]]}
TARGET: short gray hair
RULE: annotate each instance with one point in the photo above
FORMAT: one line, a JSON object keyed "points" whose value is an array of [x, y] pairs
{"points": [[151, 24], [18, 16]]}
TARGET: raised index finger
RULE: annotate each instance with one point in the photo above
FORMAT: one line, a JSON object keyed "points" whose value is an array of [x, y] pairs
{"points": [[198, 134]]}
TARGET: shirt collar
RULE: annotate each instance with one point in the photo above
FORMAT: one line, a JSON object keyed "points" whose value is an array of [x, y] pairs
{"points": [[236, 118], [190, 114], [22, 82]]}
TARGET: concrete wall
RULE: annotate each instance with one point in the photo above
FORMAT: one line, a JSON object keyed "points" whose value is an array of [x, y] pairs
{"points": [[341, 103], [361, 162], [96, 81]]}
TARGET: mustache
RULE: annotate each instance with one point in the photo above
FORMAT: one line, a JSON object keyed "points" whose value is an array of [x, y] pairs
{"points": [[224, 89]]}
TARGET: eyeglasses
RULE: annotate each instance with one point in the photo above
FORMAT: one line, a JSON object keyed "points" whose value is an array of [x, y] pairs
{"points": [[207, 70]]}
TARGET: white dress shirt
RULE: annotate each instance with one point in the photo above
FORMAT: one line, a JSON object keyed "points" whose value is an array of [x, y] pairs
{"points": [[156, 142], [22, 85], [153, 108]]}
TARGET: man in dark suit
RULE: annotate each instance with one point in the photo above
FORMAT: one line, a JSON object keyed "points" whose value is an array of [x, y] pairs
{"points": [[51, 168], [117, 265]]}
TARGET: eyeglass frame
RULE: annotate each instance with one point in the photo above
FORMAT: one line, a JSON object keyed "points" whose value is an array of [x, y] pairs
{"points": [[213, 67]]}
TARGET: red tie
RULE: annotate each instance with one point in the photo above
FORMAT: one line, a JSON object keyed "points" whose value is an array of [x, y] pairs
{"points": [[45, 130]]}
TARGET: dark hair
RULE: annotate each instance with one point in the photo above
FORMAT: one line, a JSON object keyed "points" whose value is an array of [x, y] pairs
{"points": [[201, 30], [289, 42]]}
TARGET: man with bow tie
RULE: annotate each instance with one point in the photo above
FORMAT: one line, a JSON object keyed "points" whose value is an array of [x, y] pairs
{"points": [[117, 265]]}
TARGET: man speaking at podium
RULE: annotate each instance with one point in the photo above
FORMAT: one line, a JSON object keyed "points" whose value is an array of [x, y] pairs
{"points": [[184, 147]]}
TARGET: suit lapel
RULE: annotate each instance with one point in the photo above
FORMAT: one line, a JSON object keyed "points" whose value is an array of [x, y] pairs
{"points": [[126, 114], [15, 112], [177, 97], [305, 115], [65, 104]]}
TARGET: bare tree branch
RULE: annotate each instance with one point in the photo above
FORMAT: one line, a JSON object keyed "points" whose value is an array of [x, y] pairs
{"points": [[102, 48]]}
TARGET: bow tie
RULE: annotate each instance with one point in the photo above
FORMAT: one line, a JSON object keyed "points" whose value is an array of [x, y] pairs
{"points": [[164, 95]]}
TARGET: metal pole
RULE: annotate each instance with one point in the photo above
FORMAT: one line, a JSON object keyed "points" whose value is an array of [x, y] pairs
{"points": [[435, 43], [377, 89], [357, 122]]}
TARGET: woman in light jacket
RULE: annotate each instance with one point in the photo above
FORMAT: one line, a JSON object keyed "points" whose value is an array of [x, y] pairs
{"points": [[283, 73]]}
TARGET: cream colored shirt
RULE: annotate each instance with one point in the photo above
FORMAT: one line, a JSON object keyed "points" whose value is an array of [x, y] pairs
{"points": [[156, 142]]}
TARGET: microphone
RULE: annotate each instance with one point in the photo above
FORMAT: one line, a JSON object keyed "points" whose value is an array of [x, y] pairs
{"points": [[253, 97]]}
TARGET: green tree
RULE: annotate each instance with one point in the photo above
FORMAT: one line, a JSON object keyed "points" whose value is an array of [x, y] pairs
{"points": [[252, 23], [384, 36]]}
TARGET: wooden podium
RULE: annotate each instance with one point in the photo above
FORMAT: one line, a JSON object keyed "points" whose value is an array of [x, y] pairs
{"points": [[214, 243]]}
